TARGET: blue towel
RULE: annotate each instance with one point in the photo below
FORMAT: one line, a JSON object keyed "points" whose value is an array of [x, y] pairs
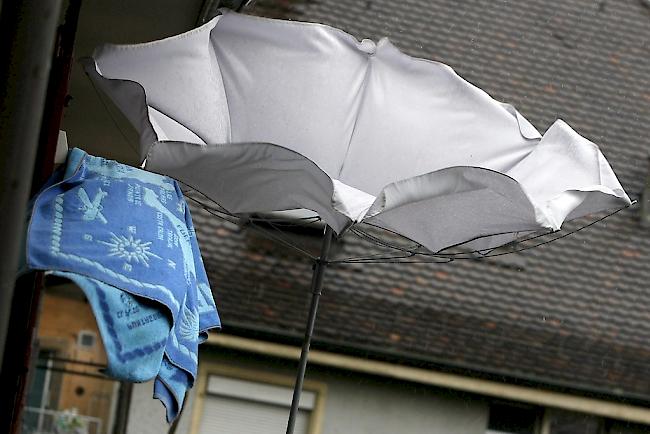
{"points": [[125, 236]]}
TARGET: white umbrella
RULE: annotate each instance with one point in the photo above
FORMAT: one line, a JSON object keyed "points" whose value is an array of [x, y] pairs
{"points": [[267, 115]]}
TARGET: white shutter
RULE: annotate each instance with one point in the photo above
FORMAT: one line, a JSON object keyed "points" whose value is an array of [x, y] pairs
{"points": [[233, 406], [224, 415]]}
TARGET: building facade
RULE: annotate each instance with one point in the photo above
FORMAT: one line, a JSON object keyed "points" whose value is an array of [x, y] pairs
{"points": [[554, 340]]}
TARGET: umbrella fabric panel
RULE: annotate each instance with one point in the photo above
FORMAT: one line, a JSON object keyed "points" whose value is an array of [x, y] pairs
{"points": [[567, 175], [295, 85], [251, 177], [419, 116], [448, 214], [180, 77], [383, 136], [131, 99]]}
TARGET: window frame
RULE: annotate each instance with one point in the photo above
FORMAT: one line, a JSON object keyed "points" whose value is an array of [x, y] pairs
{"points": [[207, 368]]}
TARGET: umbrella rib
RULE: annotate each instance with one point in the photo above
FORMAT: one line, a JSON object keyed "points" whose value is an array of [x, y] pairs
{"points": [[563, 235], [382, 243], [393, 260], [458, 254], [449, 257], [284, 223], [279, 226], [214, 212], [236, 219], [282, 241], [362, 98], [159, 110], [377, 242], [305, 221], [408, 253]]}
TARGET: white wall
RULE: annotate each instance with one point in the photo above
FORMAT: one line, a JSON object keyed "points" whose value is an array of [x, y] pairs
{"points": [[355, 404], [373, 406], [147, 415]]}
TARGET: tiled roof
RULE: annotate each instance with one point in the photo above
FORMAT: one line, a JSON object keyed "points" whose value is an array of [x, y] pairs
{"points": [[574, 313]]}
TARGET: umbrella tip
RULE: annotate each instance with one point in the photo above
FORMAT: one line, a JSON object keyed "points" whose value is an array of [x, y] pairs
{"points": [[368, 46]]}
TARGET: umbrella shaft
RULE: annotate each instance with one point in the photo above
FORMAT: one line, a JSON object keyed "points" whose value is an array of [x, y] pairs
{"points": [[316, 288]]}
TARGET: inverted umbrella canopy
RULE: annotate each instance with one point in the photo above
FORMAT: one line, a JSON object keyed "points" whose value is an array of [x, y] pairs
{"points": [[266, 115]]}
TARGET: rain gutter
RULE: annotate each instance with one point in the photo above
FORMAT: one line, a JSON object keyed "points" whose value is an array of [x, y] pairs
{"points": [[545, 398]]}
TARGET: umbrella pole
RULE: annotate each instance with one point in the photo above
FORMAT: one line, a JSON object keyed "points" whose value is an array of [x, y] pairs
{"points": [[316, 288]]}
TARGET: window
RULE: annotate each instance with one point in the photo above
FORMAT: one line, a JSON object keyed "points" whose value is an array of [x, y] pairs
{"points": [[86, 339], [234, 405], [568, 422], [513, 419]]}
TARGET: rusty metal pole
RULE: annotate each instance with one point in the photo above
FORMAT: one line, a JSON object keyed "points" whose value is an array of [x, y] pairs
{"points": [[57, 94], [27, 34], [18, 345]]}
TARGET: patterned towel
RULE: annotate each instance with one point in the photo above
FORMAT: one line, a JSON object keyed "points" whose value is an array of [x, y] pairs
{"points": [[125, 236]]}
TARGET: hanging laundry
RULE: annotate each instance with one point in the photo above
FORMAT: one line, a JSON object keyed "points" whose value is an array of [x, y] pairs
{"points": [[125, 237]]}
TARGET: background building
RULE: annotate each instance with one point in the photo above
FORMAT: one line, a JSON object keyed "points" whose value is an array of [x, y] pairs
{"points": [[554, 340], [66, 368]]}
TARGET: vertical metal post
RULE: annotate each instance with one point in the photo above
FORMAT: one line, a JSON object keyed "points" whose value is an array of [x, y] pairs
{"points": [[18, 363], [27, 35], [57, 94], [123, 406], [316, 289], [27, 32]]}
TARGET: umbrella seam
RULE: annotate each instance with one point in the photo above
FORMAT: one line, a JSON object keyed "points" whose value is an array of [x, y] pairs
{"points": [[223, 83], [358, 112]]}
